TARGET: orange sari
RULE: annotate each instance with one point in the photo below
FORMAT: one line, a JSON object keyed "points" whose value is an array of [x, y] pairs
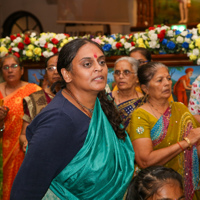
{"points": [[12, 152]]}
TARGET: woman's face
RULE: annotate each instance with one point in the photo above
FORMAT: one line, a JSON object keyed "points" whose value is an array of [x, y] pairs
{"points": [[159, 86], [169, 191], [11, 74], [89, 70], [125, 77], [138, 56], [52, 73]]}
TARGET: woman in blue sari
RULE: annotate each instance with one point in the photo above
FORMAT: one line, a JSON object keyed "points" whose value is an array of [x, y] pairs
{"points": [[77, 148], [127, 97]]}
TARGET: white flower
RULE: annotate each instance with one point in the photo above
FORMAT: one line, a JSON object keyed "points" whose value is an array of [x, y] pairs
{"points": [[198, 61], [47, 54], [158, 29], [184, 33], [33, 34], [60, 36], [50, 46], [7, 39], [16, 49], [188, 40], [144, 37], [136, 35], [24, 52], [17, 40], [12, 44], [170, 33], [114, 45], [42, 41], [158, 46], [165, 27], [179, 39], [152, 44], [127, 45], [194, 37], [196, 52], [194, 31], [122, 40], [36, 43], [110, 40], [133, 47], [153, 37]]}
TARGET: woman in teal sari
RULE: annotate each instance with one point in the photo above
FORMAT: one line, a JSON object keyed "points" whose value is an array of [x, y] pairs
{"points": [[164, 133], [77, 148]]}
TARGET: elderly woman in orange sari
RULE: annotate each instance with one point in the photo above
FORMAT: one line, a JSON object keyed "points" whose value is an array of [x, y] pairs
{"points": [[182, 85], [12, 91]]}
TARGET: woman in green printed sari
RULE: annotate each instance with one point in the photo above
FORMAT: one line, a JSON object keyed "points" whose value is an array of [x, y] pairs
{"points": [[164, 133], [77, 148]]}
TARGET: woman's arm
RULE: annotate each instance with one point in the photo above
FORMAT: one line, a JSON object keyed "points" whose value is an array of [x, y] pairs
{"points": [[185, 86], [22, 138], [145, 156]]}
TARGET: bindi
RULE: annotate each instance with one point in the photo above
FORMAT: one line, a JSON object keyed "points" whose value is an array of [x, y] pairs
{"points": [[95, 55]]}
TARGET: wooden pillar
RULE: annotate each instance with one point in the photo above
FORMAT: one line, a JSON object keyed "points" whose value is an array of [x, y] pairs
{"points": [[145, 13]]}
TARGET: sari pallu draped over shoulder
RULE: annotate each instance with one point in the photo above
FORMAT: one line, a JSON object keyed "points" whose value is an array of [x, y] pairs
{"points": [[12, 152], [173, 126], [102, 169]]}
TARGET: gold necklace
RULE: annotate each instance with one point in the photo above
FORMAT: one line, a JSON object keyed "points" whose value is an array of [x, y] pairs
{"points": [[80, 104]]}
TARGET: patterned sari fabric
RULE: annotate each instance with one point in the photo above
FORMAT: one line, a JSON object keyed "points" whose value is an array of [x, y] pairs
{"points": [[34, 103], [12, 153], [126, 109], [171, 127], [102, 169]]}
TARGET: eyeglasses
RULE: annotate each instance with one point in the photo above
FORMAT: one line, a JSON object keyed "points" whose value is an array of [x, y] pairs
{"points": [[124, 73], [142, 62], [13, 66], [51, 69]]}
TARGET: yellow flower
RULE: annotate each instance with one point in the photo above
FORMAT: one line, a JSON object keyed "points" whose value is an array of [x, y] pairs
{"points": [[193, 57], [32, 40], [197, 42], [198, 26], [29, 53], [140, 40], [191, 45], [30, 47], [3, 49], [146, 43], [142, 45], [37, 51]]}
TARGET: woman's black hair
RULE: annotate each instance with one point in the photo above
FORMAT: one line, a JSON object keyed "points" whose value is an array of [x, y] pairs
{"points": [[65, 58], [145, 52], [147, 71], [150, 180]]}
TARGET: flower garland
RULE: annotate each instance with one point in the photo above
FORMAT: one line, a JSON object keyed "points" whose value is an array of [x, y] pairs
{"points": [[159, 39]]}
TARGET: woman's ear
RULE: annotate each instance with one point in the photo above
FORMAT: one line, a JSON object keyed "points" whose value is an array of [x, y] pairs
{"points": [[22, 71], [144, 89], [66, 75]]}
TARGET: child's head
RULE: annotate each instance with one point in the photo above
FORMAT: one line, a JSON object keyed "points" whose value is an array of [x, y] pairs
{"points": [[156, 182]]}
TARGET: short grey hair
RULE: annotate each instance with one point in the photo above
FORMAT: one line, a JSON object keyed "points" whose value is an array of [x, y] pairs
{"points": [[134, 63]]}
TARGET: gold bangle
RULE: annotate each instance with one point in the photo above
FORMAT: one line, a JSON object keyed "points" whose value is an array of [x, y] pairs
{"points": [[188, 141]]}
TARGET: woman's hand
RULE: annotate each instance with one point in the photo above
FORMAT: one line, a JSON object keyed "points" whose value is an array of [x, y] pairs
{"points": [[194, 136], [23, 142], [3, 112]]}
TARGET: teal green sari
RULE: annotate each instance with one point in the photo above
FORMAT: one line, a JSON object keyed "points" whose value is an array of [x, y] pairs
{"points": [[102, 169]]}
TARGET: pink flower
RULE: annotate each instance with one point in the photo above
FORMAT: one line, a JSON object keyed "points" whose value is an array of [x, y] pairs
{"points": [[97, 40]]}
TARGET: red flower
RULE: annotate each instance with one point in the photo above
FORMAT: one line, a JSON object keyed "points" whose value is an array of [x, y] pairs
{"points": [[54, 50], [132, 44], [46, 45], [10, 49], [20, 45], [161, 35], [151, 28], [55, 41], [122, 37], [12, 37], [16, 54], [159, 26], [130, 35], [27, 40], [118, 45], [67, 35], [18, 35]]}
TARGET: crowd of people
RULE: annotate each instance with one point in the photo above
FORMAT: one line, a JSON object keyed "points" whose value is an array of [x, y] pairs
{"points": [[77, 139]]}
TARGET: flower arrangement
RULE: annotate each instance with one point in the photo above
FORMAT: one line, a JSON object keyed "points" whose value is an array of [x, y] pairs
{"points": [[159, 39]]}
